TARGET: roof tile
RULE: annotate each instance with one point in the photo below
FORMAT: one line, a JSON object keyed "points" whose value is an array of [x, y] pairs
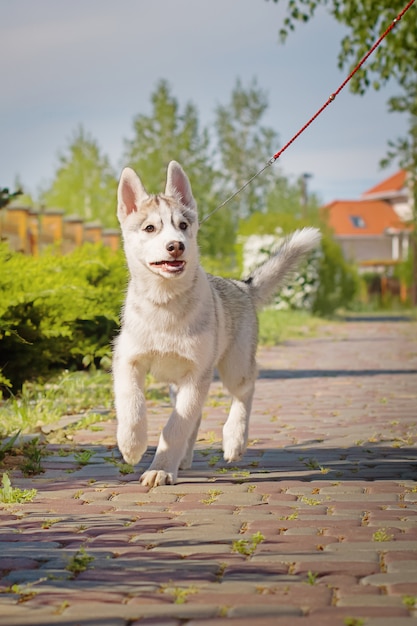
{"points": [[394, 183], [361, 217]]}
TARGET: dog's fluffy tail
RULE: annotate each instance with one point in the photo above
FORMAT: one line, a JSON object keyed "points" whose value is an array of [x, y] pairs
{"points": [[265, 281]]}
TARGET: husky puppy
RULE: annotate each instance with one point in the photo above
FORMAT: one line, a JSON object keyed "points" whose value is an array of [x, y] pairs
{"points": [[179, 323]]}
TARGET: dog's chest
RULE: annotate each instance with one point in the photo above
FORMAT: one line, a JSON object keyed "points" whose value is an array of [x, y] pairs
{"points": [[169, 368], [164, 345]]}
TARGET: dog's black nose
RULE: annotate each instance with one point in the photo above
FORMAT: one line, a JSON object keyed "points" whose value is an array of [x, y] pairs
{"points": [[175, 248]]}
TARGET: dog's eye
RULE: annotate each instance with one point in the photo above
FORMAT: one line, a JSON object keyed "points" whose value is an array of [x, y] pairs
{"points": [[183, 225], [149, 228]]}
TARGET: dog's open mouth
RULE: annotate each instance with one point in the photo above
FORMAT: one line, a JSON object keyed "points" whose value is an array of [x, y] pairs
{"points": [[172, 267]]}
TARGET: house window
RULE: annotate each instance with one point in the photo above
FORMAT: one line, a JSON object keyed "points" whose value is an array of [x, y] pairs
{"points": [[357, 221]]}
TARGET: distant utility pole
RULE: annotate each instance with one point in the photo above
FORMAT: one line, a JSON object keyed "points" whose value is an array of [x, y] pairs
{"points": [[304, 191]]}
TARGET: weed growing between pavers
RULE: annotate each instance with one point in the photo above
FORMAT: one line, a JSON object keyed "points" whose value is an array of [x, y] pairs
{"points": [[62, 607], [24, 594], [213, 460], [290, 517], [354, 621], [382, 535], [33, 451], [312, 577], [14, 495], [209, 437], [213, 494], [50, 522], [79, 562], [25, 456], [409, 601], [83, 457], [248, 546], [179, 594], [310, 501], [124, 468]]}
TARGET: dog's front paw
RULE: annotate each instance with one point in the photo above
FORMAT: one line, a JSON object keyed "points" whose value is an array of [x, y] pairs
{"points": [[233, 451], [154, 478], [130, 447], [234, 440]]}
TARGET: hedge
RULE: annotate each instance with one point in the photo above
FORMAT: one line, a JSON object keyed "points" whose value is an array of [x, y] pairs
{"points": [[58, 311]]}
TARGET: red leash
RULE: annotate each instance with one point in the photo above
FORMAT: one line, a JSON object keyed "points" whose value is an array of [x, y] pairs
{"points": [[330, 99]]}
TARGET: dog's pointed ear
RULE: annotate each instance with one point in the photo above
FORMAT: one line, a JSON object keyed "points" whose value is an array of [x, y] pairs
{"points": [[130, 193], [179, 186]]}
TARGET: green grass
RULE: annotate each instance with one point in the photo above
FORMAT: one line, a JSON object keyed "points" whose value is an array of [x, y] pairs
{"points": [[66, 394], [7, 446], [276, 326]]}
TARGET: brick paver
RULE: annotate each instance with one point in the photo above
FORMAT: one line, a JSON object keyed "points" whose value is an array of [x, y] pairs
{"points": [[316, 525]]}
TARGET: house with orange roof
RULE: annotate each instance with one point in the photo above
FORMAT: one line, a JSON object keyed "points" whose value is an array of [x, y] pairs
{"points": [[374, 231]]}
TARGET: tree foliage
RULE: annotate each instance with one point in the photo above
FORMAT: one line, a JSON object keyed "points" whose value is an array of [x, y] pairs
{"points": [[244, 145], [6, 196], [168, 133], [366, 20], [85, 182]]}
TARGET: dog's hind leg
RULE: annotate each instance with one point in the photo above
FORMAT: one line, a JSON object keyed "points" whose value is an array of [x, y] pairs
{"points": [[235, 430], [238, 375]]}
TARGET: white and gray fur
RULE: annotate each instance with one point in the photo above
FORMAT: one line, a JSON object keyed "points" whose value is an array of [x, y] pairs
{"points": [[179, 323]]}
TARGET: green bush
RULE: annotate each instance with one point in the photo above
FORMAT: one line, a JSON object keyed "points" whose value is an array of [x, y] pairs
{"points": [[325, 283], [58, 311], [337, 280]]}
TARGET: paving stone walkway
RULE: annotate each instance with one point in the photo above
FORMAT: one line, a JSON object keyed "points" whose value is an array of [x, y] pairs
{"points": [[317, 525]]}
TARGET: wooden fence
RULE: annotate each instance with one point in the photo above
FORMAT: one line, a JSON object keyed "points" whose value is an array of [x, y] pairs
{"points": [[30, 231]]}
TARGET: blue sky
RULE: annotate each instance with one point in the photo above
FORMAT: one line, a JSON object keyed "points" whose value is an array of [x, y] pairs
{"points": [[96, 62]]}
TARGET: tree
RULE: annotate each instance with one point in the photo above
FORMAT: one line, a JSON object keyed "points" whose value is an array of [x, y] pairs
{"points": [[287, 199], [244, 144], [6, 197], [366, 20], [170, 133], [85, 183]]}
